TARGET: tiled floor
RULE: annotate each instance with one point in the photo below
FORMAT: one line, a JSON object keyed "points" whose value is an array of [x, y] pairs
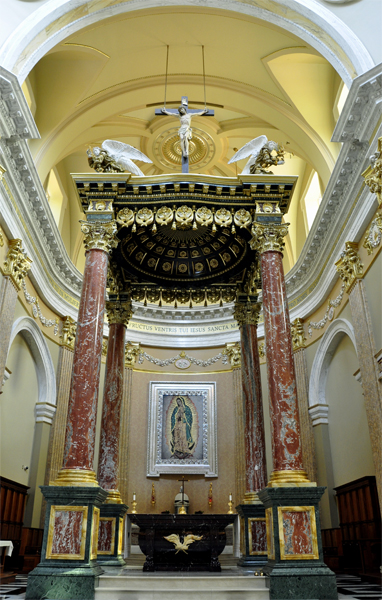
{"points": [[350, 587]]}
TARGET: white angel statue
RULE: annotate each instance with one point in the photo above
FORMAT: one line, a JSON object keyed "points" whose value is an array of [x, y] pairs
{"points": [[260, 155], [116, 157]]}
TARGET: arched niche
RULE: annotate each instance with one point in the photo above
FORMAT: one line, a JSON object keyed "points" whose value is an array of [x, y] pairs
{"points": [[318, 406], [46, 405], [312, 22]]}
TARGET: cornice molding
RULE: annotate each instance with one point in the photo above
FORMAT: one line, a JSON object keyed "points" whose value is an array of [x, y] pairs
{"points": [[16, 118]]}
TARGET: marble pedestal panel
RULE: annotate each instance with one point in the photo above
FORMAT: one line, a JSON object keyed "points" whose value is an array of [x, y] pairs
{"points": [[253, 536], [110, 535], [295, 564], [68, 567]]}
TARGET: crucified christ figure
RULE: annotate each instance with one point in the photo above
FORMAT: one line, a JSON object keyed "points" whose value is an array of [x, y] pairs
{"points": [[185, 131]]}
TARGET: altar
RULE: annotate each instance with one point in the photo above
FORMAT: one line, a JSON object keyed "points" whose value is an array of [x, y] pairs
{"points": [[181, 542]]}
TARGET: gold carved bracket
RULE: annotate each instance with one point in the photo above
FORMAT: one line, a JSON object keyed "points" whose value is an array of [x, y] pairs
{"points": [[132, 350], [17, 263], [68, 333], [233, 351], [268, 237], [349, 266], [298, 334], [373, 174]]}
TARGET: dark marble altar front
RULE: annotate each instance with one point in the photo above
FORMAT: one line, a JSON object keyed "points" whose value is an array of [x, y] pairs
{"points": [[182, 553]]}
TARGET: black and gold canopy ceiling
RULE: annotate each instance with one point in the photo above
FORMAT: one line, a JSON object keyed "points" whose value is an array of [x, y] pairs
{"points": [[183, 237]]}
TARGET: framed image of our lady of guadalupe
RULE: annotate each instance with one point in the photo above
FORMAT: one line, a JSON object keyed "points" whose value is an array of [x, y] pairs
{"points": [[182, 429]]}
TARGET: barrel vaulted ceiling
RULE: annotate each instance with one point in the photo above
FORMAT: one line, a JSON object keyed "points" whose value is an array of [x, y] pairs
{"points": [[106, 81]]}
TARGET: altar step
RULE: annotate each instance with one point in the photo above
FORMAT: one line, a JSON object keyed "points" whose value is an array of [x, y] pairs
{"points": [[189, 586]]}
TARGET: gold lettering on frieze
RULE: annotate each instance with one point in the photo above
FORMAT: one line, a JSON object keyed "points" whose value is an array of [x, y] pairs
{"points": [[99, 235], [349, 266], [17, 264], [298, 334], [268, 237]]}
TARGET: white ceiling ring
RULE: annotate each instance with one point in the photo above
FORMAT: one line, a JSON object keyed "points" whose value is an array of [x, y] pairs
{"points": [[307, 19]]}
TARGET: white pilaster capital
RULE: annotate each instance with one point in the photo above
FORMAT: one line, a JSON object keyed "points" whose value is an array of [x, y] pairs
{"points": [[319, 413]]}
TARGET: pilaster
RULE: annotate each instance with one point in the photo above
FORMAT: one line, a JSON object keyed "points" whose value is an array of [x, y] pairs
{"points": [[350, 270]]}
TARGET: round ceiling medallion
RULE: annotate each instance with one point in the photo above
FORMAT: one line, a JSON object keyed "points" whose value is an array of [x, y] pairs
{"points": [[168, 152]]}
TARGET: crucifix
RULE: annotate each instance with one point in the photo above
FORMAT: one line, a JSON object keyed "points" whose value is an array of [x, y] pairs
{"points": [[184, 114], [182, 510]]}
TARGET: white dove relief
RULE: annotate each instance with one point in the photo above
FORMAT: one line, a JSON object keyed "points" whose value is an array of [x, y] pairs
{"points": [[182, 546]]}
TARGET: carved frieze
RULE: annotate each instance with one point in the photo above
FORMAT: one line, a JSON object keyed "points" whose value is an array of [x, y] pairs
{"points": [[268, 237], [349, 265], [99, 235], [17, 264]]}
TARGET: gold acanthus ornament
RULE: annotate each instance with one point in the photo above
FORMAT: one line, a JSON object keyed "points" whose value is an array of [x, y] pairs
{"points": [[184, 217], [144, 217], [268, 237], [132, 350], [68, 333], [204, 216], [349, 266], [223, 217], [233, 351], [164, 215], [99, 235], [242, 218], [298, 334], [247, 313], [262, 350], [125, 217], [373, 236], [119, 312], [17, 263], [373, 174]]}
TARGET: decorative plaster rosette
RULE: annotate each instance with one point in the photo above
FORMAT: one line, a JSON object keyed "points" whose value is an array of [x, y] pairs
{"points": [[168, 152]]}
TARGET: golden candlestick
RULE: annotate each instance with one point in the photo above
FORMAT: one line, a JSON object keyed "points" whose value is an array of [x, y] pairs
{"points": [[230, 505], [134, 504]]}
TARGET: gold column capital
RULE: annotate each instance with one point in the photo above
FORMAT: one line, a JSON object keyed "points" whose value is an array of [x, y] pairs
{"points": [[373, 173], [247, 313], [233, 351], [132, 350], [268, 237], [349, 266], [298, 334], [99, 235], [68, 333], [17, 264], [119, 312]]}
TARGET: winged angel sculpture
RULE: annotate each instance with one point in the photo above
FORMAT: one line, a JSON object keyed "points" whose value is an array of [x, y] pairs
{"points": [[262, 155], [182, 546], [116, 157]]}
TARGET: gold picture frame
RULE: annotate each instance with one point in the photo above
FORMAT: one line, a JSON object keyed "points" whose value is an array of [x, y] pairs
{"points": [[270, 533], [52, 519], [312, 515], [113, 521], [255, 553]]}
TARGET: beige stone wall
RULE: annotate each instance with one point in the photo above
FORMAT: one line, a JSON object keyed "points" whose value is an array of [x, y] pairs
{"points": [[167, 486]]}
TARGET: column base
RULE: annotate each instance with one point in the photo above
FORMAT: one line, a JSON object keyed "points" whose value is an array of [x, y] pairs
{"points": [[253, 536], [110, 537], [295, 565], [68, 569]]}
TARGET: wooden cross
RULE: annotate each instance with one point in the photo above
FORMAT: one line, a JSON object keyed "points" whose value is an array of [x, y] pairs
{"points": [[184, 130]]}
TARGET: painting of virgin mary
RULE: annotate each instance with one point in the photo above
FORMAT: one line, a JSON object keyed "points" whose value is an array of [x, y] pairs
{"points": [[182, 442]]}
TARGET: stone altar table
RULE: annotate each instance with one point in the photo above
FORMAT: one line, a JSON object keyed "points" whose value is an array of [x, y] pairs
{"points": [[183, 553]]}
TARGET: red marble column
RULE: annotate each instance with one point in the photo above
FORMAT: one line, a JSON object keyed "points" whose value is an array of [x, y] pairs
{"points": [[247, 315], [118, 316], [285, 423], [82, 410]]}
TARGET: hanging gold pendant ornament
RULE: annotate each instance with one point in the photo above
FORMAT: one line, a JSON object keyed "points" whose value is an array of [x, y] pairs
{"points": [[145, 217], [164, 215], [223, 217], [184, 217], [125, 217], [242, 218], [204, 216]]}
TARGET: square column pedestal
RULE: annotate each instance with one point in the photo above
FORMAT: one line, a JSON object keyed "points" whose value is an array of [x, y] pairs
{"points": [[110, 536], [68, 567], [295, 566], [253, 536]]}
